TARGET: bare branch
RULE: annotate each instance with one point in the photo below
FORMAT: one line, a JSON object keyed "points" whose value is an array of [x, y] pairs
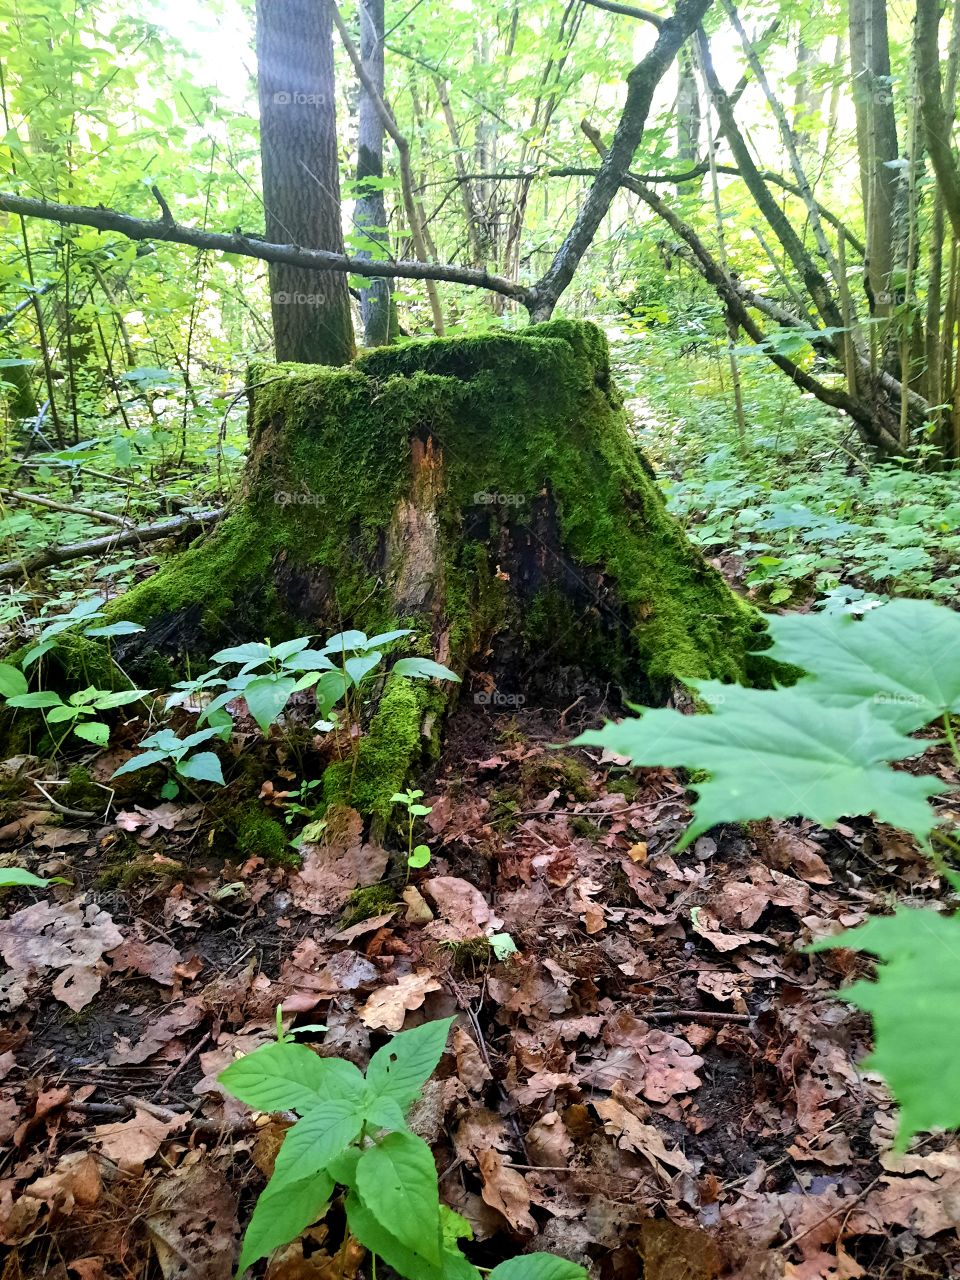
{"points": [[255, 247], [628, 11]]}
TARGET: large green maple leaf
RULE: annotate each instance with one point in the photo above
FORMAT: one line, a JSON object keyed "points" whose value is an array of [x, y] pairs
{"points": [[779, 754], [903, 659], [915, 1003]]}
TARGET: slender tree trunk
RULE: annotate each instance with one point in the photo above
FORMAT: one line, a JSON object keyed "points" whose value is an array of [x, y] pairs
{"points": [[689, 121], [312, 317], [371, 214], [877, 145]]}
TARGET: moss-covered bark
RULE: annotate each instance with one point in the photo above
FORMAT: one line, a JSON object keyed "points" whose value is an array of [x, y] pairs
{"points": [[484, 490]]}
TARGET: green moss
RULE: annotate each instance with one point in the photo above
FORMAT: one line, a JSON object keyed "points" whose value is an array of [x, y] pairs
{"points": [[390, 747], [363, 904], [81, 792], [584, 827], [122, 871], [258, 835], [623, 787], [562, 771]]}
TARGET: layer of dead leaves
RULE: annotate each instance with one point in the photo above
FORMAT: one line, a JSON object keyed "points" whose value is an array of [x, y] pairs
{"points": [[659, 1082]]}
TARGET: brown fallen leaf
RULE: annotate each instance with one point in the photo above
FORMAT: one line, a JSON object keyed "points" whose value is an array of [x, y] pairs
{"points": [[388, 1007], [631, 1134], [505, 1190], [463, 910], [471, 1068], [192, 1220], [77, 986], [54, 935], [155, 960], [159, 1034], [131, 1143], [75, 1181]]}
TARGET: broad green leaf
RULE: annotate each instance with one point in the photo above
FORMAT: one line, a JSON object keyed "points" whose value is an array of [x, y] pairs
{"points": [[94, 731], [424, 669], [114, 629], [38, 651], [361, 665], [142, 761], [290, 1077], [254, 651], [419, 857], [903, 659], [283, 1211], [42, 698], [17, 875], [538, 1266], [401, 1068], [62, 712], [266, 697], [122, 698], [328, 691], [379, 1239], [289, 647], [915, 1003], [203, 767], [387, 637], [309, 660], [346, 642], [779, 754], [12, 681], [397, 1181], [384, 1113], [318, 1138]]}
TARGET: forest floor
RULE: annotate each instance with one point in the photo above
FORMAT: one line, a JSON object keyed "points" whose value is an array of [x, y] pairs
{"points": [[659, 1083]]}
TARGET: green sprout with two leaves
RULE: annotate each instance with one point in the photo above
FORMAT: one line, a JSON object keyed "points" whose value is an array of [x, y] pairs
{"points": [[417, 856]]}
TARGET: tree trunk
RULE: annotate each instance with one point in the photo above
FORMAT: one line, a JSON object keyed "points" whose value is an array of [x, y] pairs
{"points": [[371, 212], [312, 319], [877, 145], [484, 491]]}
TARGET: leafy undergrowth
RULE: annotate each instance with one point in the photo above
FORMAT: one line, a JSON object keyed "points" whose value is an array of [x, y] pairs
{"points": [[799, 513], [658, 1082]]}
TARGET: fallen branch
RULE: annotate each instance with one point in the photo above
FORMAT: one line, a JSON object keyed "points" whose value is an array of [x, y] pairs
{"points": [[94, 546], [20, 496]]}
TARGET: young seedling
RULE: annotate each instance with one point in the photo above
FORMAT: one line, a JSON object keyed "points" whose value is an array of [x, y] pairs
{"points": [[165, 747], [418, 856], [353, 1133]]}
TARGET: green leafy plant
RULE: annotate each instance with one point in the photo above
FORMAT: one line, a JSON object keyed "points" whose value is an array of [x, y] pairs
{"points": [[352, 1133], [18, 876], [822, 749], [417, 856], [76, 711], [164, 747]]}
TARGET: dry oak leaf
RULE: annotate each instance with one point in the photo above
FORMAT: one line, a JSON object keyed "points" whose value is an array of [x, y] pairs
{"points": [[75, 1181], [471, 1068], [192, 1221], [505, 1190], [155, 960], [463, 910], [549, 1142], [155, 1037], [57, 935], [388, 1007], [77, 986], [329, 874], [131, 1143], [631, 1134]]}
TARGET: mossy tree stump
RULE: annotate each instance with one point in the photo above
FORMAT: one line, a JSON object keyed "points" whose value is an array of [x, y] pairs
{"points": [[484, 491]]}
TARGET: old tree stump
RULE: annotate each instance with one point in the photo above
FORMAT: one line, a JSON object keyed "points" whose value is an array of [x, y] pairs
{"points": [[484, 491]]}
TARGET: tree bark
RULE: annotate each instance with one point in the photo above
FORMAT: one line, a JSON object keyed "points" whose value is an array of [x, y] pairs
{"points": [[312, 317], [371, 212], [876, 144]]}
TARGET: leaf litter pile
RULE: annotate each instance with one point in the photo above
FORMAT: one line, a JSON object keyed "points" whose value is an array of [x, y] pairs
{"points": [[659, 1081]]}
